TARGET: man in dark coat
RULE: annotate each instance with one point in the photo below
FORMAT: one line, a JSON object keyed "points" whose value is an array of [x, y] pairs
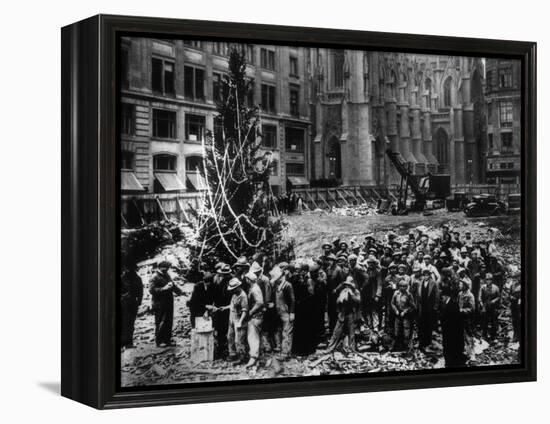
{"points": [[222, 298], [202, 298], [371, 293], [162, 290], [304, 340], [427, 308], [317, 280], [130, 298], [452, 329]]}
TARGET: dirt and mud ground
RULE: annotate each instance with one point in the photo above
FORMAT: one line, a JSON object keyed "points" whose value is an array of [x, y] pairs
{"points": [[149, 365]]}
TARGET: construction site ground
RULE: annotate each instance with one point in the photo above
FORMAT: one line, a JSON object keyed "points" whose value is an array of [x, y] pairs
{"points": [[147, 364]]}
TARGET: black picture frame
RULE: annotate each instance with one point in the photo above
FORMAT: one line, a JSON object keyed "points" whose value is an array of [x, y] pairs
{"points": [[90, 217]]}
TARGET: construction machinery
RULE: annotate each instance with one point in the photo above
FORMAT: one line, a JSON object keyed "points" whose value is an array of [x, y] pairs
{"points": [[425, 188]]}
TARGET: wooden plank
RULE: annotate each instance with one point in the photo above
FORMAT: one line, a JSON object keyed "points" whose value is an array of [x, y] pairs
{"points": [[333, 197], [339, 192], [161, 209], [312, 201]]}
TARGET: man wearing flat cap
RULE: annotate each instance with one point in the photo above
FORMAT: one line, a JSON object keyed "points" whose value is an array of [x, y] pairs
{"points": [[285, 304], [371, 292], [162, 290]]}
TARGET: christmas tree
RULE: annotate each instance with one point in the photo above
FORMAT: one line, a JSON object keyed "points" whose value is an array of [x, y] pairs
{"points": [[236, 219]]}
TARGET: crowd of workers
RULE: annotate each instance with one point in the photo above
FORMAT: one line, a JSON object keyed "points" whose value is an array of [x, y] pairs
{"points": [[405, 289]]}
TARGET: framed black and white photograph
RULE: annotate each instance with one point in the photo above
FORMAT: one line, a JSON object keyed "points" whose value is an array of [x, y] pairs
{"points": [[255, 211]]}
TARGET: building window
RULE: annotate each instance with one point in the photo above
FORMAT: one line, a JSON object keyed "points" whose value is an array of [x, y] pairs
{"points": [[267, 59], [441, 147], [248, 51], [294, 100], [506, 113], [220, 48], [163, 76], [338, 68], [269, 133], [165, 163], [490, 166], [489, 80], [217, 86], [447, 92], [193, 43], [293, 66], [268, 98], [505, 78], [250, 94], [127, 118], [194, 127], [125, 67], [164, 123], [274, 168], [294, 140], [295, 168], [490, 140], [502, 165], [218, 128], [506, 140], [194, 164], [193, 83], [510, 165], [127, 160]]}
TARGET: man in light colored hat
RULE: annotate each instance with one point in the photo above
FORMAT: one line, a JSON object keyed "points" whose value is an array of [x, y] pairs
{"points": [[240, 267], [255, 317], [238, 309], [284, 303], [220, 318]]}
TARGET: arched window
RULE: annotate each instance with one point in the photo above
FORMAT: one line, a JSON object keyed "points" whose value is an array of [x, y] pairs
{"points": [[441, 147], [338, 68], [193, 164], [165, 162], [447, 92], [428, 88]]}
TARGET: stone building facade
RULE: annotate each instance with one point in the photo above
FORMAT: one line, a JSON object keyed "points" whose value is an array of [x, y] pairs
{"points": [[503, 103], [168, 97], [326, 114], [430, 109]]}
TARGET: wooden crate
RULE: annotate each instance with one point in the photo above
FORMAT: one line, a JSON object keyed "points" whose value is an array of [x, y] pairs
{"points": [[202, 346]]}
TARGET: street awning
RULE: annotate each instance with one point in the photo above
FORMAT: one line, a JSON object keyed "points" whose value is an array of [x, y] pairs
{"points": [[298, 181], [129, 182], [197, 181], [169, 181]]}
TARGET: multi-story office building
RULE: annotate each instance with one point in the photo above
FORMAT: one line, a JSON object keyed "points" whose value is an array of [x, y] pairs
{"points": [[503, 100], [169, 89]]}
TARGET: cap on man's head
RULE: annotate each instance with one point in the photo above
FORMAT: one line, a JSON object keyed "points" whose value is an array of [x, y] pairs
{"points": [[326, 246]]}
